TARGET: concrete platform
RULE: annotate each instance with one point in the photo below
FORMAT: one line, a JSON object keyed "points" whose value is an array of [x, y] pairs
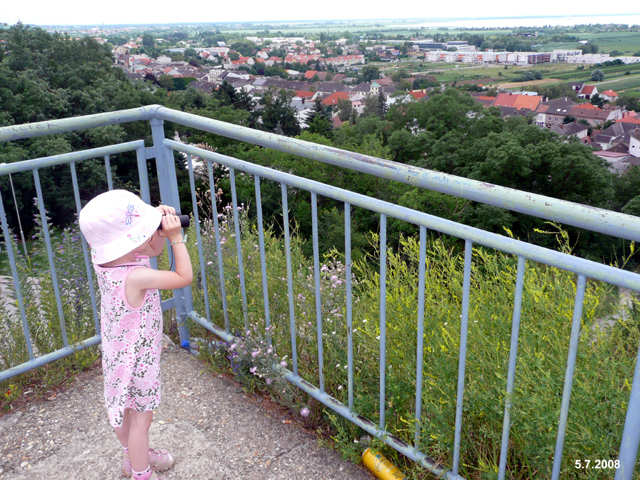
{"points": [[213, 428]]}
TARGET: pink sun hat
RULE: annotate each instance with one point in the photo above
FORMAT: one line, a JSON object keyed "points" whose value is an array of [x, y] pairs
{"points": [[115, 223]]}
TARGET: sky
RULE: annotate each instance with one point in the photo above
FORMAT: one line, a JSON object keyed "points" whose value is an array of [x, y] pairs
{"points": [[74, 12]]}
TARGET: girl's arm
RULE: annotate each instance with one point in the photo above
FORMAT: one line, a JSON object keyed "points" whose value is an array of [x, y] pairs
{"points": [[146, 278]]}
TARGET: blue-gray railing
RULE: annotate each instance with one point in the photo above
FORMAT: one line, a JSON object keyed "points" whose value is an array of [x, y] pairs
{"points": [[612, 223]]}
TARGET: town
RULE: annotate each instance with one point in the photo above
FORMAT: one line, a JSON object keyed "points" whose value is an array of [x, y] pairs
{"points": [[339, 79]]}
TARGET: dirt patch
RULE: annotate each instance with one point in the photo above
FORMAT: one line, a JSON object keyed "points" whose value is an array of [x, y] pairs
{"points": [[544, 81]]}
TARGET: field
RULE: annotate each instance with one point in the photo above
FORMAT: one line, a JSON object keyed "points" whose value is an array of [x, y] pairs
{"points": [[628, 43], [621, 78]]}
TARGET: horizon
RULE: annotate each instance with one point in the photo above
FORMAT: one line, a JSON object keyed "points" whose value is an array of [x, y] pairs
{"points": [[328, 20], [195, 12]]}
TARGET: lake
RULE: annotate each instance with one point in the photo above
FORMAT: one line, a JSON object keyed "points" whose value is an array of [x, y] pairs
{"points": [[506, 22]]}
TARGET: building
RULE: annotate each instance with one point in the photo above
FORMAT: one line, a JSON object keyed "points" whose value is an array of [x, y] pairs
{"points": [[553, 112]]}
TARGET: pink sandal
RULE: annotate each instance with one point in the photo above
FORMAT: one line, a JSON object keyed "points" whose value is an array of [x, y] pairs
{"points": [[160, 460]]}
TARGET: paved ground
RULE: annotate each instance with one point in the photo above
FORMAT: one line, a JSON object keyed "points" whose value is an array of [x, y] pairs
{"points": [[214, 430]]}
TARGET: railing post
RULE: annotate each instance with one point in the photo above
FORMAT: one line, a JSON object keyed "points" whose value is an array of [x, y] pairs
{"points": [[631, 432], [168, 184]]}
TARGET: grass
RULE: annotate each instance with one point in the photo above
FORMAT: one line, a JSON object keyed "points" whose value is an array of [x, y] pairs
{"points": [[626, 42], [601, 385], [621, 84]]}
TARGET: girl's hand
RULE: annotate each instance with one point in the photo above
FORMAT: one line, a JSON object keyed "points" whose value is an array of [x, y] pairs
{"points": [[171, 228], [166, 210]]}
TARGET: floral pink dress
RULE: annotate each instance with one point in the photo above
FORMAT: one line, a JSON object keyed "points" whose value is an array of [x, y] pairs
{"points": [[131, 344]]}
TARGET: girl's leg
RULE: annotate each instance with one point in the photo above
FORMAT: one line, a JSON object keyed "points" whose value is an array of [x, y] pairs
{"points": [[123, 432], [138, 440]]}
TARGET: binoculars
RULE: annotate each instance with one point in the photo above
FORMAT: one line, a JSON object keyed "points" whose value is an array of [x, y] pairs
{"points": [[184, 221]]}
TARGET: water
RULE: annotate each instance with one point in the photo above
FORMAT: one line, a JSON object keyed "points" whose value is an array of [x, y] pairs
{"points": [[506, 22]]}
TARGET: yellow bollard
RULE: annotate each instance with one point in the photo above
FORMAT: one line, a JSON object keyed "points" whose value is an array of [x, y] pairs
{"points": [[380, 466]]}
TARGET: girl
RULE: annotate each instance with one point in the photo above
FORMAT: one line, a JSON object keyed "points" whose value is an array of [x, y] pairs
{"points": [[123, 232]]}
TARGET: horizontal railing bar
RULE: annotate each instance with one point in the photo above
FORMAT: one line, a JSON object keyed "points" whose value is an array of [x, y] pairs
{"points": [[63, 158], [49, 357], [340, 408], [63, 125], [596, 219], [588, 268]]}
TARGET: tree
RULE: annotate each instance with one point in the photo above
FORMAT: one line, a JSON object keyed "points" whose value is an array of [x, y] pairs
{"points": [[277, 115], [369, 73], [148, 41], [597, 100], [597, 76], [588, 48], [632, 207], [345, 109], [319, 120]]}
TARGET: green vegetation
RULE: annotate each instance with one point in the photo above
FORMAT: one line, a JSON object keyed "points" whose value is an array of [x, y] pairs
{"points": [[605, 357]]}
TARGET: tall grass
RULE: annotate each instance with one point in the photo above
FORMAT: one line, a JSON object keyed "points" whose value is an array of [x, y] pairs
{"points": [[604, 365], [42, 313]]}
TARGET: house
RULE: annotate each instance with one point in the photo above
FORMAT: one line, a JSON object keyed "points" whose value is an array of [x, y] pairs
{"points": [[602, 140], [617, 162], [634, 143], [304, 94], [519, 102], [609, 95], [418, 94], [630, 117], [571, 129], [485, 100], [333, 99], [587, 92], [593, 115], [553, 112], [576, 86]]}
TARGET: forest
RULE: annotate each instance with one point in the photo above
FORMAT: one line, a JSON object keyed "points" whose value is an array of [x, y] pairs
{"points": [[46, 76]]}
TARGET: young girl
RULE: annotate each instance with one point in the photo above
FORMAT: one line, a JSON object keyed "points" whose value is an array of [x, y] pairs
{"points": [[123, 232]]}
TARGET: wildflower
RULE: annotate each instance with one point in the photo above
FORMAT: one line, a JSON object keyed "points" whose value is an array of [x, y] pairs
{"points": [[253, 370], [283, 364], [268, 380], [269, 350], [209, 262], [255, 353], [304, 412]]}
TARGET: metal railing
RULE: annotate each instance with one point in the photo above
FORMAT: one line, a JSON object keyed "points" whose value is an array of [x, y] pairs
{"points": [[162, 150]]}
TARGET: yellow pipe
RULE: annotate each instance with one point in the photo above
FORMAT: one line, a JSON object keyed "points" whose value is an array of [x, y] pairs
{"points": [[380, 466]]}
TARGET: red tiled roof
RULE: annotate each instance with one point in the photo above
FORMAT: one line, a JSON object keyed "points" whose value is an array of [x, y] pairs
{"points": [[520, 102], [418, 94], [587, 106], [527, 102], [304, 94], [587, 89], [630, 118], [309, 74], [505, 100], [610, 93], [334, 97]]}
